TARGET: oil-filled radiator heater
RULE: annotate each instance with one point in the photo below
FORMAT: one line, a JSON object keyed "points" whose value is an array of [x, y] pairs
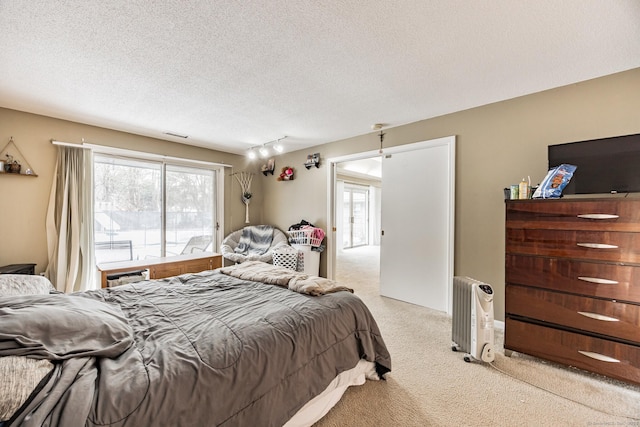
{"points": [[472, 321]]}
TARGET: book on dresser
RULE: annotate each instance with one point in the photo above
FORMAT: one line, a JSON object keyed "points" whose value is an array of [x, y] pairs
{"points": [[572, 291]]}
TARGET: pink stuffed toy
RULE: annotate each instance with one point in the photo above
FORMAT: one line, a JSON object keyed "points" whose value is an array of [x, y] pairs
{"points": [[286, 174]]}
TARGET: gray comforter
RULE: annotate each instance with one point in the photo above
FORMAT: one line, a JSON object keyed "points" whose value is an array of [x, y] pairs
{"points": [[196, 350]]}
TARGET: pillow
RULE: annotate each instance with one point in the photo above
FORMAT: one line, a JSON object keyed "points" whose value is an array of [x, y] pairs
{"points": [[20, 376], [24, 284], [61, 326]]}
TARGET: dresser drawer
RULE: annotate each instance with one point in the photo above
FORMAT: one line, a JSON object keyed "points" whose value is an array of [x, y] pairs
{"points": [[162, 271], [586, 245], [613, 214], [614, 319], [616, 360], [619, 282]]}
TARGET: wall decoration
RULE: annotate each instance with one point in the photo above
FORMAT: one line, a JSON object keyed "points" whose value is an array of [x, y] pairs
{"points": [[312, 160], [269, 167], [244, 179], [286, 174], [12, 160]]}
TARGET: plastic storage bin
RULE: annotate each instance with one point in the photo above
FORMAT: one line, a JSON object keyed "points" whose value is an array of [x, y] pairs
{"points": [[308, 259], [286, 256]]}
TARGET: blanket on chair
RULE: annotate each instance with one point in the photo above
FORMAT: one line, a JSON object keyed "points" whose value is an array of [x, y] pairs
{"points": [[255, 240], [258, 271]]}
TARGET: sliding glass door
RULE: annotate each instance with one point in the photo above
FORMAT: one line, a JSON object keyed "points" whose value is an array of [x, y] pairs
{"points": [[127, 209], [145, 209], [355, 215], [189, 210]]}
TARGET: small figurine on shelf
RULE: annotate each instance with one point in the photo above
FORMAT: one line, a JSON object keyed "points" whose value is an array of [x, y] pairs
{"points": [[287, 174], [11, 165], [312, 160], [268, 167]]}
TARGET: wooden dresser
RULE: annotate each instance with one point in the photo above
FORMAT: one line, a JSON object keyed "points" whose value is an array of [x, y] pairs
{"points": [[572, 272], [165, 266]]}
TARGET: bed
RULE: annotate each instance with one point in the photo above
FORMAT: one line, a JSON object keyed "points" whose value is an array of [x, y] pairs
{"points": [[204, 349]]}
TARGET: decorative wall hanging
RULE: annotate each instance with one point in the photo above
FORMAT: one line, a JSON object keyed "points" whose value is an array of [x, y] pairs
{"points": [[12, 161], [286, 174], [244, 179], [312, 160], [269, 167]]}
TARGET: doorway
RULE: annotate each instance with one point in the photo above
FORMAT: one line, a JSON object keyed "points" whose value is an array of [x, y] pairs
{"points": [[417, 208], [357, 213]]}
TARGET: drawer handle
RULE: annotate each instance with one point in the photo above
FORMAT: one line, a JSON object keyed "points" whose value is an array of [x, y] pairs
{"points": [[599, 356], [597, 245], [598, 316], [598, 216], [598, 280]]}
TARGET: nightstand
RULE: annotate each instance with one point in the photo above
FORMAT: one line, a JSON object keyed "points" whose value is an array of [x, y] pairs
{"points": [[18, 269]]}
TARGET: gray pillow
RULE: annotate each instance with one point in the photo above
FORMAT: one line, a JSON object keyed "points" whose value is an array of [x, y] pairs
{"points": [[20, 375], [24, 284]]}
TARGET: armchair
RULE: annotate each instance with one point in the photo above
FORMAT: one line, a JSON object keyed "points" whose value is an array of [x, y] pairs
{"points": [[230, 244]]}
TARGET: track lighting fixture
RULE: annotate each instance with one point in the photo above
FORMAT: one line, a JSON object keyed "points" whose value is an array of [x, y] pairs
{"points": [[265, 149]]}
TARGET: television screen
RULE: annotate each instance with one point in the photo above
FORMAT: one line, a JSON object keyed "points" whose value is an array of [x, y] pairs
{"points": [[607, 165]]}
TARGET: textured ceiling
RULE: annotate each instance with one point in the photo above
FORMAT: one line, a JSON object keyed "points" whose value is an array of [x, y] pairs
{"points": [[234, 74]]}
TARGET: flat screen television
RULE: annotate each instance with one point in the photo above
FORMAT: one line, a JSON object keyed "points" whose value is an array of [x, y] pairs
{"points": [[607, 165]]}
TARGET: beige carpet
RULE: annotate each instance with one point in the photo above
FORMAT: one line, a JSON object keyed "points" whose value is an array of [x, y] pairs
{"points": [[430, 385]]}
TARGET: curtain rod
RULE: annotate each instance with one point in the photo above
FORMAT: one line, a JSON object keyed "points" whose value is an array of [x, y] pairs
{"points": [[126, 152], [67, 144]]}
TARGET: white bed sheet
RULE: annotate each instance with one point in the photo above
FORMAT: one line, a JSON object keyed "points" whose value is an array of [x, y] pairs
{"points": [[320, 405]]}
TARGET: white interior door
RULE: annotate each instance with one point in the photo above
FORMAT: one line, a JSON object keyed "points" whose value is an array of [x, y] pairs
{"points": [[416, 253]]}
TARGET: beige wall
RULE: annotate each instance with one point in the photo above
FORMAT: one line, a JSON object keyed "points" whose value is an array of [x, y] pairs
{"points": [[497, 145], [24, 199]]}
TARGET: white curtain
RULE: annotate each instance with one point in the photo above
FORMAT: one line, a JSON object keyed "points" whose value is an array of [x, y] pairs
{"points": [[69, 222]]}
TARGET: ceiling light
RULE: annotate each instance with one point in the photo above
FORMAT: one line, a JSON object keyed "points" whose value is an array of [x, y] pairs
{"points": [[277, 146], [264, 149]]}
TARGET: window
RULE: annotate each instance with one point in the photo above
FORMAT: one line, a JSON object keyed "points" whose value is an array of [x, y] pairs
{"points": [[145, 208]]}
